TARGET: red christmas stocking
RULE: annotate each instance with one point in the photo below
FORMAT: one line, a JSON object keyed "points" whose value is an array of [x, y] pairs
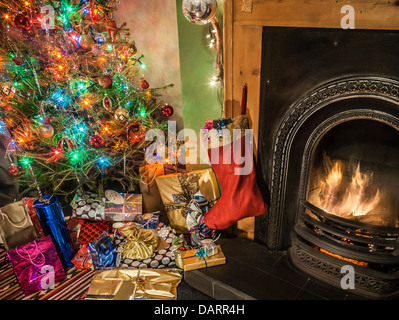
{"points": [[240, 195]]}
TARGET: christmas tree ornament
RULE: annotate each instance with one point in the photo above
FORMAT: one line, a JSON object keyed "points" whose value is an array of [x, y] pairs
{"points": [[121, 114], [65, 144], [22, 22], [19, 61], [8, 90], [111, 29], [131, 50], [200, 12], [86, 41], [96, 141], [167, 110], [105, 81], [46, 131], [144, 84], [14, 171], [107, 103]]}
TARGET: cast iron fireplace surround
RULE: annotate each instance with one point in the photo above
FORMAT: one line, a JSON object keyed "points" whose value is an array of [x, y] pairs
{"points": [[319, 83], [313, 80]]}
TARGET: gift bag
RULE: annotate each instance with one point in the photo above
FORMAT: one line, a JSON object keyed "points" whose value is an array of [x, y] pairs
{"points": [[178, 189], [36, 265], [152, 201], [151, 198], [16, 227]]}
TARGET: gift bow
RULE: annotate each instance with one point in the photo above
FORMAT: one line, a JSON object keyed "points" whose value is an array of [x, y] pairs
{"points": [[201, 253], [140, 244]]}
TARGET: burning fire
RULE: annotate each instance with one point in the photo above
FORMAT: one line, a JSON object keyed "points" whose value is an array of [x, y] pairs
{"points": [[346, 196]]}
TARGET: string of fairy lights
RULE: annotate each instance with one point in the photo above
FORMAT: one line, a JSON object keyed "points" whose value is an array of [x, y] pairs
{"points": [[73, 100]]}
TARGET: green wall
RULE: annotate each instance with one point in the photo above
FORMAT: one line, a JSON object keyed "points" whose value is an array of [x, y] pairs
{"points": [[197, 61]]}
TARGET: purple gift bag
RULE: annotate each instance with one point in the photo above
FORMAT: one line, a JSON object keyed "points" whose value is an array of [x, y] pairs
{"points": [[36, 265]]}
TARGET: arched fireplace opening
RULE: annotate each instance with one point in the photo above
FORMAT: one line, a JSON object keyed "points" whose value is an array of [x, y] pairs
{"points": [[348, 206]]}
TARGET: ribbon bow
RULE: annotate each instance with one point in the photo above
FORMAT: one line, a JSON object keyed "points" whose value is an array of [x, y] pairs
{"points": [[140, 244], [200, 253]]}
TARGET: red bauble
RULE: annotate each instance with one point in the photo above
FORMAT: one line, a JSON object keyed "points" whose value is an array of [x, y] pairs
{"points": [[107, 103], [18, 60], [96, 141], [111, 29], [105, 81], [144, 84], [65, 144], [22, 22], [14, 171], [167, 111]]}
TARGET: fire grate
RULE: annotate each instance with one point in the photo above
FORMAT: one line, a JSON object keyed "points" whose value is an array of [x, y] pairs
{"points": [[348, 238]]}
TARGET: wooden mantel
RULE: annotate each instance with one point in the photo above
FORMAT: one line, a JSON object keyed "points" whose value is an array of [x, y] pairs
{"points": [[243, 22]]}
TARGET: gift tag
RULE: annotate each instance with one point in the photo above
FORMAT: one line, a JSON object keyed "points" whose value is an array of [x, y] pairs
{"points": [[114, 197]]}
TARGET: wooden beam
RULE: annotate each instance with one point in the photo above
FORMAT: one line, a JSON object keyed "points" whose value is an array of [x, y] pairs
{"points": [[318, 13]]}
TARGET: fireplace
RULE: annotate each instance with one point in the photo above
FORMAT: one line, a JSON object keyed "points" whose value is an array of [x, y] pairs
{"points": [[328, 153]]}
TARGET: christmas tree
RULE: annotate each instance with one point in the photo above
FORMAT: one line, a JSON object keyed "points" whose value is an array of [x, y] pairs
{"points": [[73, 98]]}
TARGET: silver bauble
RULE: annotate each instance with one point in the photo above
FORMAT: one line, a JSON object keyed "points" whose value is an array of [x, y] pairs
{"points": [[199, 11]]}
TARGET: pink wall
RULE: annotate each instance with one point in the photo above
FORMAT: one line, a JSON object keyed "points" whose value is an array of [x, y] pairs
{"points": [[153, 26]]}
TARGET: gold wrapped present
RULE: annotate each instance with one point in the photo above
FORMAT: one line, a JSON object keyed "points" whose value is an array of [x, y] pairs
{"points": [[140, 243], [134, 284], [178, 189], [198, 258]]}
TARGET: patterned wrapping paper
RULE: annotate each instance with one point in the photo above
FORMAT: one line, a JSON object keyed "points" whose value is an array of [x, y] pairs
{"points": [[131, 210], [89, 206], [149, 221], [91, 230], [103, 252], [82, 259], [98, 254], [178, 189], [28, 262], [163, 256]]}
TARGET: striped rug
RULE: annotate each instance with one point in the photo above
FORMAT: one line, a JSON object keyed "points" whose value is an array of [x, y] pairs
{"points": [[74, 287]]}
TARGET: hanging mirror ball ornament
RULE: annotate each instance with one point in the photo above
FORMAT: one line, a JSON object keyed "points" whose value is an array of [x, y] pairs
{"points": [[167, 111], [199, 11], [46, 131]]}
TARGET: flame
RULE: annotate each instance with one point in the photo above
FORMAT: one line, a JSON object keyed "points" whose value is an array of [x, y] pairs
{"points": [[353, 197]]}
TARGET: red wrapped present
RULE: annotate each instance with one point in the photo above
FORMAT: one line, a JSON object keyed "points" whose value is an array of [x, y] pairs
{"points": [[91, 230]]}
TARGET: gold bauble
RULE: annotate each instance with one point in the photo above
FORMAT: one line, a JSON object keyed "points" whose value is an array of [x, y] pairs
{"points": [[121, 114]]}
